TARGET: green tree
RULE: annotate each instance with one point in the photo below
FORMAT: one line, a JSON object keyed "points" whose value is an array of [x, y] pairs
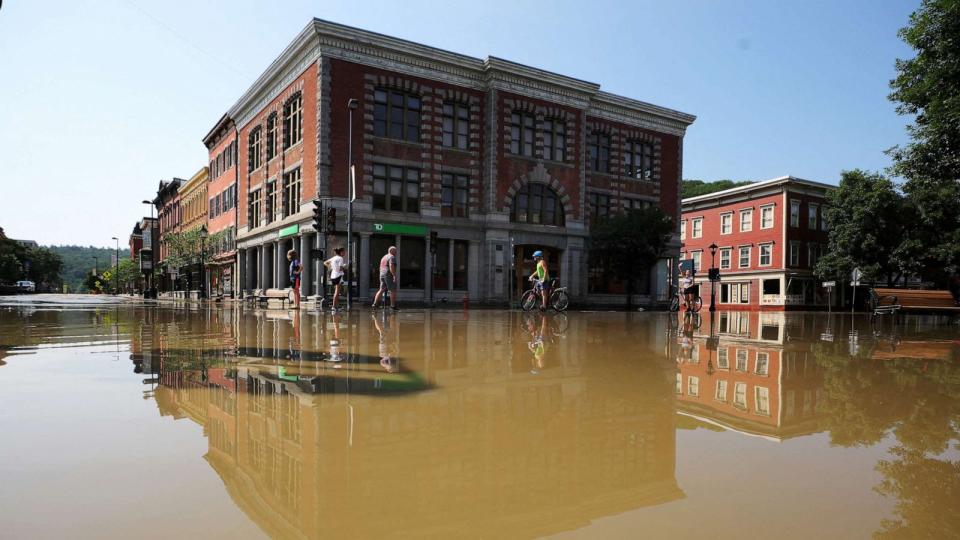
{"points": [[693, 188], [626, 244], [10, 268], [927, 87], [866, 217]]}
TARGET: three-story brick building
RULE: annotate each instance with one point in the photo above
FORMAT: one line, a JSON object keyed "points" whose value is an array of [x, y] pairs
{"points": [[221, 143], [769, 236], [496, 158]]}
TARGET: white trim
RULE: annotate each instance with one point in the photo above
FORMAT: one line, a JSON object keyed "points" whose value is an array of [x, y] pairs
{"points": [[773, 219]]}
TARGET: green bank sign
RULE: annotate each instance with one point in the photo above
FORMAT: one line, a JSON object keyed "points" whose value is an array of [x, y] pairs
{"points": [[396, 228], [289, 231]]}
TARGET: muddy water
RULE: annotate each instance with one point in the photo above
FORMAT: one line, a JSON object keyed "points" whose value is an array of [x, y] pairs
{"points": [[130, 420]]}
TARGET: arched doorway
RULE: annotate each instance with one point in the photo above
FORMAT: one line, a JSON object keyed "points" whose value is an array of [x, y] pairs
{"points": [[523, 265]]}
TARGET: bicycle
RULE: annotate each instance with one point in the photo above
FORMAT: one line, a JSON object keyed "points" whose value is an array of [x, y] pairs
{"points": [[678, 296], [559, 300]]}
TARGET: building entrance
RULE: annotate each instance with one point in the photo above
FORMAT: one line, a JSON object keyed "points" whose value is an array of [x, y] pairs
{"points": [[523, 266]]}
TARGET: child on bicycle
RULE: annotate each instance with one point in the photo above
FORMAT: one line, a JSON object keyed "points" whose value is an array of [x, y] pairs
{"points": [[541, 274]]}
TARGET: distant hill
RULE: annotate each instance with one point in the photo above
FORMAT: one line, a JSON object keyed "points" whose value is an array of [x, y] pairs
{"points": [[693, 188], [78, 262]]}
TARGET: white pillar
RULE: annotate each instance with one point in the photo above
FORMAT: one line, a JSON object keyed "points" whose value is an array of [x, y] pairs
{"points": [[307, 263]]}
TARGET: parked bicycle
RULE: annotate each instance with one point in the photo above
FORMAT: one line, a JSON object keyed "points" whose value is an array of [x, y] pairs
{"points": [[558, 300], [678, 297]]}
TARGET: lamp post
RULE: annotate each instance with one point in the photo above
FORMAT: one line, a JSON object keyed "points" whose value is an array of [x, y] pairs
{"points": [[352, 105], [203, 239], [149, 292], [713, 277], [116, 277], [96, 268]]}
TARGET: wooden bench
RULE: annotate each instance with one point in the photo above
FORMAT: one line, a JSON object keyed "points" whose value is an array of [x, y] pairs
{"points": [[884, 301], [264, 296]]}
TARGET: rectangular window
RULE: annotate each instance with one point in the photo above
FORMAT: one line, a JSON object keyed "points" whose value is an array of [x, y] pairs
{"points": [[746, 220], [693, 386], [291, 192], [461, 249], [271, 202], [794, 213], [254, 148], [454, 195], [396, 115], [812, 254], [766, 254], [742, 357], [725, 259], [683, 229], [696, 255], [740, 395], [412, 257], [554, 139], [521, 134], [679, 389], [293, 121], [210, 211], [456, 125], [271, 136], [744, 257], [638, 160], [766, 217], [723, 358], [721, 393], [823, 222], [762, 366], [598, 148], [254, 208], [441, 272], [698, 228], [812, 216], [599, 207], [396, 189], [762, 400], [726, 223], [745, 296], [794, 253]]}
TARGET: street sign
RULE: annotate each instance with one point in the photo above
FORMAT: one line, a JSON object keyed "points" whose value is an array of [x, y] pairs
{"points": [[289, 231], [855, 276], [397, 228], [828, 284]]}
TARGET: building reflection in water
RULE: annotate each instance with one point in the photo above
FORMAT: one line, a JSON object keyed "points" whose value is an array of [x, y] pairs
{"points": [[482, 443]]}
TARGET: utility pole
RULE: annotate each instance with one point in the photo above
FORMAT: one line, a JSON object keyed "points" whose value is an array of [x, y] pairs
{"points": [[352, 104], [116, 272]]}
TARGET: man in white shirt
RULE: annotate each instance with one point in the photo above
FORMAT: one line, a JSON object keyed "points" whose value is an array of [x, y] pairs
{"points": [[336, 265]]}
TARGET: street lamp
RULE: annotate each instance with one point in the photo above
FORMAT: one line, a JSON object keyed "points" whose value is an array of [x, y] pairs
{"points": [[713, 277], [352, 105], [149, 292], [96, 268], [116, 278], [203, 239]]}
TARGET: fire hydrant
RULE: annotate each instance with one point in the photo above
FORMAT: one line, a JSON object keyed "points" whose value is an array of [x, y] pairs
{"points": [[466, 301]]}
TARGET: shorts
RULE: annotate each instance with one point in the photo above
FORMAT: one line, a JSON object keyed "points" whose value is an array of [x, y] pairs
{"points": [[336, 280], [296, 283], [386, 281]]}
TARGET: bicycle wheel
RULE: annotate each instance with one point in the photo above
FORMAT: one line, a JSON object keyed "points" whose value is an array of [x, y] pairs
{"points": [[675, 304], [559, 300], [528, 301], [559, 324], [697, 304]]}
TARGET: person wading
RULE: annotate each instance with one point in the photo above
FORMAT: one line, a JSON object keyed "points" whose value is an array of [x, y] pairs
{"points": [[388, 278], [295, 269], [336, 265]]}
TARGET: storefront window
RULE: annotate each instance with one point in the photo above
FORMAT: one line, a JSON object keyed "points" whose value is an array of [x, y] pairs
{"points": [[412, 254], [441, 269]]}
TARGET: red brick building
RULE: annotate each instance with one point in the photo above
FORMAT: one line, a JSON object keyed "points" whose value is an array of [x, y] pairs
{"points": [[221, 143], [169, 218], [497, 158], [769, 236]]}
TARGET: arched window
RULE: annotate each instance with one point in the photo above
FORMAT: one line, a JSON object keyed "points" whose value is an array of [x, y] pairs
{"points": [[537, 204]]}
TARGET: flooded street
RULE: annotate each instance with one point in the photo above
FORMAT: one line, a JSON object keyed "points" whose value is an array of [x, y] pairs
{"points": [[155, 421]]}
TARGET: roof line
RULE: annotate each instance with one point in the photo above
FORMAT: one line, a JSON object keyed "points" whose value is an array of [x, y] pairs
{"points": [[755, 186]]}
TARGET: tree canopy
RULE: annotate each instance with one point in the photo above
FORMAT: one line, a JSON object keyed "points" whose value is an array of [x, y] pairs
{"points": [[693, 188], [623, 244]]}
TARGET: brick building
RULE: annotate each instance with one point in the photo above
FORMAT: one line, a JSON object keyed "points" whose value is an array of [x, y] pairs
{"points": [[169, 216], [193, 204], [221, 143], [769, 236], [497, 158]]}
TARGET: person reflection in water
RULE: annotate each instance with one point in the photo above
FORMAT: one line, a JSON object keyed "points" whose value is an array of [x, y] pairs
{"points": [[387, 360], [686, 338], [537, 326], [336, 356]]}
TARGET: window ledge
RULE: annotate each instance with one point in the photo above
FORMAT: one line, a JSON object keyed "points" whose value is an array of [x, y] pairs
{"points": [[378, 138]]}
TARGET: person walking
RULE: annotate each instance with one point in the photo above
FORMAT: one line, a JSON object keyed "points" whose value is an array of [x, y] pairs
{"points": [[388, 278], [542, 274], [295, 269], [336, 265]]}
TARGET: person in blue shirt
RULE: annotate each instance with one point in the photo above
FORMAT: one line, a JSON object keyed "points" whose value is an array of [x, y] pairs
{"points": [[295, 269]]}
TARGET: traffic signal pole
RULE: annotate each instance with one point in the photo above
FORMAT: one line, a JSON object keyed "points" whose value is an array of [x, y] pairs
{"points": [[351, 105]]}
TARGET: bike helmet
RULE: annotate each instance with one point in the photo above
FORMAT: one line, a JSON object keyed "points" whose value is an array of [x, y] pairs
{"points": [[538, 253]]}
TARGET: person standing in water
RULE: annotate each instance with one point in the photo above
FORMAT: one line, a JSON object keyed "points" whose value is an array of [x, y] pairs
{"points": [[336, 265], [388, 278], [295, 269]]}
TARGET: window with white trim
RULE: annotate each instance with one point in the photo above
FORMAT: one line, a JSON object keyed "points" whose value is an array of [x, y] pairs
{"points": [[742, 358], [812, 216], [794, 253], [794, 213], [746, 220], [812, 254], [744, 261], [721, 393], [761, 400], [698, 228], [740, 395], [762, 364], [723, 358], [766, 254], [726, 223], [725, 258], [696, 256], [693, 386], [766, 217]]}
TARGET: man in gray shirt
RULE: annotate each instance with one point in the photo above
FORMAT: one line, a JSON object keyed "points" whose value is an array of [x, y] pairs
{"points": [[388, 278]]}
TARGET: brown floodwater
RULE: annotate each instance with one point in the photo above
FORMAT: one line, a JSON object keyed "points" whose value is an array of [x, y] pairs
{"points": [[121, 420]]}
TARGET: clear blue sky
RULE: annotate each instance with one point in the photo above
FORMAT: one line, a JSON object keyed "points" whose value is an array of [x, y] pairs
{"points": [[100, 99]]}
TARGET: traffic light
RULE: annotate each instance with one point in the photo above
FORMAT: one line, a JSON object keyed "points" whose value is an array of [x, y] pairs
{"points": [[318, 215], [434, 237], [331, 220]]}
